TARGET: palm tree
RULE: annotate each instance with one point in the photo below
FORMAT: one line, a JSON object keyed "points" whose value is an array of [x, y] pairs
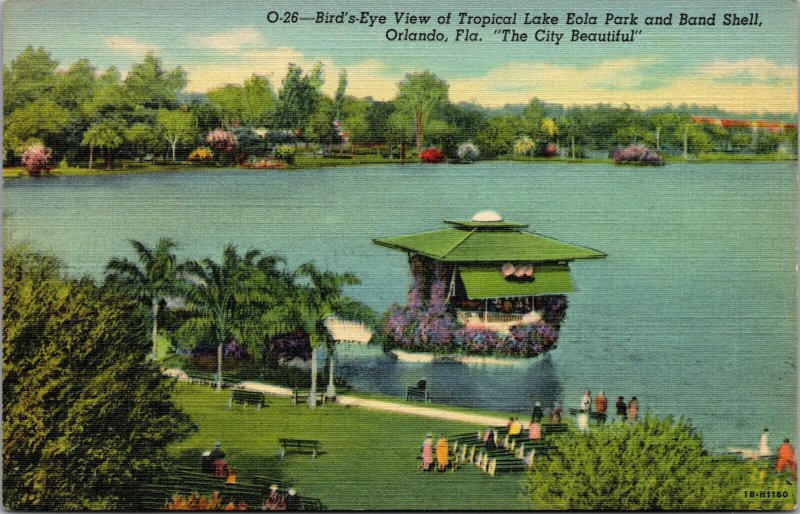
{"points": [[151, 282], [319, 300], [232, 299]]}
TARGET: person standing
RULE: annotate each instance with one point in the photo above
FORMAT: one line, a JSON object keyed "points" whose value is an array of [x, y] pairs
{"points": [[600, 403], [787, 459], [586, 401], [555, 416], [442, 453], [622, 408], [633, 410], [427, 452], [538, 413]]}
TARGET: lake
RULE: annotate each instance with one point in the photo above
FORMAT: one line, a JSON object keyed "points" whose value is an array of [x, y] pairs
{"points": [[693, 311]]}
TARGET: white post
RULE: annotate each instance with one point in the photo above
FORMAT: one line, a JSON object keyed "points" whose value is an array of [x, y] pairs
{"points": [[331, 393]]}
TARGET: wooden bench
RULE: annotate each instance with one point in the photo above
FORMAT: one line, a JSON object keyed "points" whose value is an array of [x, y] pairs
{"points": [[417, 393], [600, 417], [558, 428], [301, 396], [310, 446], [247, 398]]}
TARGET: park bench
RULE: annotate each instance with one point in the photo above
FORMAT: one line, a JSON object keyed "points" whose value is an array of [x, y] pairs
{"points": [[301, 396], [247, 398], [310, 446], [415, 393], [557, 428], [310, 505], [600, 417]]}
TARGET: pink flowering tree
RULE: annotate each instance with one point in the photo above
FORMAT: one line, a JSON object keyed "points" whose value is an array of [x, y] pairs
{"points": [[222, 141], [36, 159]]}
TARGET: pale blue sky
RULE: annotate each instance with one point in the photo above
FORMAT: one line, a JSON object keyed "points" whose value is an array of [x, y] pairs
{"points": [[737, 68]]}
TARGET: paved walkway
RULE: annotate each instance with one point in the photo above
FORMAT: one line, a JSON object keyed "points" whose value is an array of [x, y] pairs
{"points": [[378, 405]]}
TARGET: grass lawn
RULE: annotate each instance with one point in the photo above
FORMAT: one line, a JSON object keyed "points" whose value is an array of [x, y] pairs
{"points": [[369, 460]]}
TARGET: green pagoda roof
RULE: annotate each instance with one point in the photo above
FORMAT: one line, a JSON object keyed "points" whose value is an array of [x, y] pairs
{"points": [[488, 241]]}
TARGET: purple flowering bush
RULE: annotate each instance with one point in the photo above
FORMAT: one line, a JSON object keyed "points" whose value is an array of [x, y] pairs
{"points": [[425, 325], [637, 154]]}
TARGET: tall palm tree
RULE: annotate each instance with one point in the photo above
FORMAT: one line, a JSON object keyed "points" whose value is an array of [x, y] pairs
{"points": [[151, 281], [319, 300], [232, 299]]}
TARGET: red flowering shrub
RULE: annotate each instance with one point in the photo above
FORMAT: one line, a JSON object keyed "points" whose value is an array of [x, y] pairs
{"points": [[432, 156], [550, 150], [36, 159], [637, 154]]}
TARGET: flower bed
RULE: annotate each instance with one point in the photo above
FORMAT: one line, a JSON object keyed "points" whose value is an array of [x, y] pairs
{"points": [[637, 154]]}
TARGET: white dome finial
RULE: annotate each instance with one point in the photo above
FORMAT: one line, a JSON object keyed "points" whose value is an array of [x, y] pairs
{"points": [[487, 216]]}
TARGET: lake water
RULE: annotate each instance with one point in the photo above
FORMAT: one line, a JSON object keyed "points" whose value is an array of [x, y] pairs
{"points": [[693, 311]]}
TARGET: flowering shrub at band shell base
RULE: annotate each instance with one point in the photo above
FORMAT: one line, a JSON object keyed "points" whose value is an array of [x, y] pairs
{"points": [[425, 325]]}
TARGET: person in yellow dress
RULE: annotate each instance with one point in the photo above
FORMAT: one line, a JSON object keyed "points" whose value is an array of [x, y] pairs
{"points": [[442, 453], [514, 428]]}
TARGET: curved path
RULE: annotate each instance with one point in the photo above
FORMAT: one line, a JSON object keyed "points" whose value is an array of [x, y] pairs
{"points": [[379, 405]]}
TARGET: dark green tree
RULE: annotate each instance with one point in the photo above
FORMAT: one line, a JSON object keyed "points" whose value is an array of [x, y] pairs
{"points": [[28, 78], [150, 86], [297, 99], [657, 464], [86, 419]]}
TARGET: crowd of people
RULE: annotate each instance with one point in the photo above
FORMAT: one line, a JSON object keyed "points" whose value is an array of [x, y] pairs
{"points": [[213, 462]]}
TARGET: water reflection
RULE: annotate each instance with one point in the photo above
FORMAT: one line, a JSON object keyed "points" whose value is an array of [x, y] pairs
{"points": [[486, 386]]}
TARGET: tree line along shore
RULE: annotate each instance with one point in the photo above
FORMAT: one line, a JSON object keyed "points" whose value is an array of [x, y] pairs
{"points": [[78, 119]]}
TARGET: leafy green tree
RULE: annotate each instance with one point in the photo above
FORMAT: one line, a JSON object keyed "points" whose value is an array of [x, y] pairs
{"points": [[107, 98], [498, 137], [339, 97], [354, 119], [657, 464], [297, 99], [86, 419], [419, 94], [151, 281], [257, 100], [532, 118], [143, 138], [177, 126], [75, 85], [40, 120], [320, 126], [149, 85], [377, 119], [108, 134], [29, 77]]}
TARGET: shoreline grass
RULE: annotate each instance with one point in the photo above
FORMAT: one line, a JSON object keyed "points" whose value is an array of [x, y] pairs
{"points": [[306, 162]]}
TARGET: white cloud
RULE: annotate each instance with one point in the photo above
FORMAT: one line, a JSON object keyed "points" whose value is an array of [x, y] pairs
{"points": [[233, 41], [130, 45], [642, 82], [756, 68]]}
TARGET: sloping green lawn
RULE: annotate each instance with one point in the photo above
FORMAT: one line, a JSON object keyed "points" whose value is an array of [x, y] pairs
{"points": [[369, 459]]}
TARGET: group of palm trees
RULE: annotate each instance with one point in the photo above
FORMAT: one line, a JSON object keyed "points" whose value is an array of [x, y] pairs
{"points": [[249, 298]]}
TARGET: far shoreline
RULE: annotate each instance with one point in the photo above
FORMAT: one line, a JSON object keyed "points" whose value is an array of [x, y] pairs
{"points": [[314, 163]]}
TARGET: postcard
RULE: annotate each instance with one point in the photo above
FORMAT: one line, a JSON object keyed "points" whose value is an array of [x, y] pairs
{"points": [[431, 256]]}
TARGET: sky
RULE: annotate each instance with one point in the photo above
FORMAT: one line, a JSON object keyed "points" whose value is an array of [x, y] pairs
{"points": [[740, 69]]}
